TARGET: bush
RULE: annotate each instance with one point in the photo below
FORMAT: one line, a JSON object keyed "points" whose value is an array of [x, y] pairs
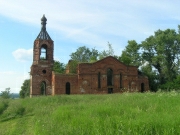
{"points": [[173, 85], [3, 105], [6, 94]]}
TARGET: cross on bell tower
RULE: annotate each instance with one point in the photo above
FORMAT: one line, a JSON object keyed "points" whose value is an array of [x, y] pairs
{"points": [[41, 69]]}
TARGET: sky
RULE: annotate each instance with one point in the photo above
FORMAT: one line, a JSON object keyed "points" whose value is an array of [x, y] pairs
{"points": [[72, 24]]}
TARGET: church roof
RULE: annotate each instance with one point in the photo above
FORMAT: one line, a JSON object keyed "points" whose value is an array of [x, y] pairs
{"points": [[43, 33]]}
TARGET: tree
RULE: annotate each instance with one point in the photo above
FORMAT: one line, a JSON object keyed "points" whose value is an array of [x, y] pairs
{"points": [[72, 66], [58, 67], [93, 59], [131, 55], [162, 52], [147, 70], [6, 94], [171, 85], [157, 56], [84, 54], [25, 89], [106, 53]]}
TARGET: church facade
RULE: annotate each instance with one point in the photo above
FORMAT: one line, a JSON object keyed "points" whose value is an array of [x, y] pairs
{"points": [[108, 75]]}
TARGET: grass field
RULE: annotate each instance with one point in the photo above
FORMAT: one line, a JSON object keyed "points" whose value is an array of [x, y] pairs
{"points": [[112, 114]]}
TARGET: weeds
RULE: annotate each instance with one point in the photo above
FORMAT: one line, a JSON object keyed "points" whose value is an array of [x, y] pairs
{"points": [[128, 113], [3, 105]]}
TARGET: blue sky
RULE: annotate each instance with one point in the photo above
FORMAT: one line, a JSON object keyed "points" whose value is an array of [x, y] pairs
{"points": [[75, 23]]}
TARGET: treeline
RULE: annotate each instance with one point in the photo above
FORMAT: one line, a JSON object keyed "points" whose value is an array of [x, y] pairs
{"points": [[157, 57]]}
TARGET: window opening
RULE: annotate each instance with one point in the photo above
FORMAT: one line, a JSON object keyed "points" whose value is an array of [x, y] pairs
{"points": [[44, 71], [43, 55], [142, 87], [109, 77], [120, 77], [99, 80]]}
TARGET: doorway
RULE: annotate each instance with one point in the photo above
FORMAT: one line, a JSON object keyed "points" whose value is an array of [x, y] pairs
{"points": [[109, 77], [142, 87], [68, 88], [110, 80], [110, 90], [43, 88]]}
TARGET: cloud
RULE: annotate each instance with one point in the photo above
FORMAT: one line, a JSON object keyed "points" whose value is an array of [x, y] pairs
{"points": [[12, 79], [7, 73], [92, 22], [88, 22], [23, 55]]}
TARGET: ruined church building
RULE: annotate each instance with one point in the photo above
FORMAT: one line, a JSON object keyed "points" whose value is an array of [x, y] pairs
{"points": [[108, 75]]}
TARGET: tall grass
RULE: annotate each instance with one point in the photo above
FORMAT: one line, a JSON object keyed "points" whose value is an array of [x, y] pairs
{"points": [[114, 114]]}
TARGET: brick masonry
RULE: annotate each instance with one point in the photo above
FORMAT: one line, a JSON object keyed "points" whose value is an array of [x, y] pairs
{"points": [[124, 78], [108, 75]]}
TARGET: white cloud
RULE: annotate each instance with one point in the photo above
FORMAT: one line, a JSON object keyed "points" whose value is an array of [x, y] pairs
{"points": [[12, 79], [7, 73], [23, 55], [92, 22]]}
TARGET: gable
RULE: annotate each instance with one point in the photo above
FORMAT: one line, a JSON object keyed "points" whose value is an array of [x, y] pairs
{"points": [[104, 64], [109, 61]]}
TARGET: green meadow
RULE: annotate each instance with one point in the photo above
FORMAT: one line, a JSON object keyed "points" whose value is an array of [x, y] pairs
{"points": [[111, 114]]}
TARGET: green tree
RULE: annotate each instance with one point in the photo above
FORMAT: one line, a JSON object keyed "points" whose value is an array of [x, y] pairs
{"points": [[84, 54], [147, 70], [93, 59], [6, 93], [162, 52], [25, 89], [72, 66], [59, 67], [171, 85], [106, 53], [131, 55]]}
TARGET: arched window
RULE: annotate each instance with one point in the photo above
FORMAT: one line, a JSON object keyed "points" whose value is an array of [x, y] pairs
{"points": [[120, 80], [43, 55], [99, 80], [142, 87], [43, 88], [68, 88], [109, 77]]}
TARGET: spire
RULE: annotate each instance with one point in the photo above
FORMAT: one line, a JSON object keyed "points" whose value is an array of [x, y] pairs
{"points": [[43, 33], [43, 22]]}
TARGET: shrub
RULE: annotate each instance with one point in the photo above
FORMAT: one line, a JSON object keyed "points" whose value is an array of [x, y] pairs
{"points": [[6, 94]]}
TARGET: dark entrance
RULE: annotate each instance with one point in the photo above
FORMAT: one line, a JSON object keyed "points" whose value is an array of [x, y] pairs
{"points": [[43, 88], [68, 88], [109, 77], [142, 87], [110, 90], [110, 80]]}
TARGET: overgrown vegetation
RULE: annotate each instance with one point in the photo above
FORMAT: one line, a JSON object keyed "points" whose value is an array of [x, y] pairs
{"points": [[127, 113], [6, 93], [25, 89], [157, 57], [59, 67]]}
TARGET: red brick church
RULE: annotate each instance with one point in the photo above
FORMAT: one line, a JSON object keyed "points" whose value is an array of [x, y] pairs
{"points": [[108, 75]]}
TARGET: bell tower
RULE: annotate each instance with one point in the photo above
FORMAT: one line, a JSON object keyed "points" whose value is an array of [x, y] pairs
{"points": [[41, 69]]}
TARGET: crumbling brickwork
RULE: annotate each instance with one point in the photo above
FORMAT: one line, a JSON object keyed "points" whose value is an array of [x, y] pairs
{"points": [[93, 78], [108, 75], [41, 69]]}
